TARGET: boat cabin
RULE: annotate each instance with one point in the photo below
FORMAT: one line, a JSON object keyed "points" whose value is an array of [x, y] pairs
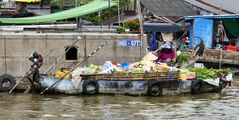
{"points": [[220, 34]]}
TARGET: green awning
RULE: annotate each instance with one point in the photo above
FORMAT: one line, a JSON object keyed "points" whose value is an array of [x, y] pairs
{"points": [[91, 7], [231, 27]]}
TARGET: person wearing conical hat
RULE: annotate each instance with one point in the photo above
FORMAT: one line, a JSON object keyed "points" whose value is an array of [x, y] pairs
{"points": [[167, 53]]}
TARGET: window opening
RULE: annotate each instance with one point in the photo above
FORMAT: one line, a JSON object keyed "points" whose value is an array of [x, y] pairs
{"points": [[71, 54]]}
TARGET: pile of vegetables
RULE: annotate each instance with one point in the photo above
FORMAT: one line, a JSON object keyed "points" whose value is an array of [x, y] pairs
{"points": [[205, 73], [183, 57]]}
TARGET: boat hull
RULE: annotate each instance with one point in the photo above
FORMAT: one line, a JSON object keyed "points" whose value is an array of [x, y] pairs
{"points": [[133, 87]]}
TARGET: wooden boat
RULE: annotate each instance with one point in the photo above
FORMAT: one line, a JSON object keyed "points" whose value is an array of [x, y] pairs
{"points": [[152, 84], [148, 83]]}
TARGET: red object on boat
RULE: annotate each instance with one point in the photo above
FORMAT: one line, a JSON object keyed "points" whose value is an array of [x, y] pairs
{"points": [[231, 48], [65, 69]]}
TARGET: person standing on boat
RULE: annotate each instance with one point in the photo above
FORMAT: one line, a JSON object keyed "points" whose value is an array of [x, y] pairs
{"points": [[166, 54]]}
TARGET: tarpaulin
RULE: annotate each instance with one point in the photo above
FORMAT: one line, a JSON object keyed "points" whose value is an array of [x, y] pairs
{"points": [[153, 42], [231, 28], [91, 7]]}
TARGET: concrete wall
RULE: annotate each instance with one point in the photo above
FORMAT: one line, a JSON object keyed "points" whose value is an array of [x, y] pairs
{"points": [[15, 49]]}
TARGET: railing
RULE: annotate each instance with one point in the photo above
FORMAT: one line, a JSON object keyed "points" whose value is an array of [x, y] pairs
{"points": [[173, 75]]}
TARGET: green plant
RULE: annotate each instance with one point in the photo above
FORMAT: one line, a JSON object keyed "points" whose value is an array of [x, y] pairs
{"points": [[132, 24], [183, 57], [93, 18], [120, 30], [65, 2]]}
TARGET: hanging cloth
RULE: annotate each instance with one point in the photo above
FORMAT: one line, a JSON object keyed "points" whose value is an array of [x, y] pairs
{"points": [[153, 42]]}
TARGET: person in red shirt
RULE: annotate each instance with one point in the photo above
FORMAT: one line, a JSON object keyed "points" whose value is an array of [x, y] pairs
{"points": [[166, 54]]}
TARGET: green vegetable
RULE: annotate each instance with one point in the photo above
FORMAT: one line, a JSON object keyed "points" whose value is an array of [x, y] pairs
{"points": [[205, 73], [183, 57]]}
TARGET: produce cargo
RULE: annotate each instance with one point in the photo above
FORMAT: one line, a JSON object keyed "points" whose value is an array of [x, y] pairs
{"points": [[173, 75], [139, 78]]}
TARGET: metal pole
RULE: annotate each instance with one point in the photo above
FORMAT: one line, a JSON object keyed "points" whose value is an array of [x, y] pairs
{"points": [[77, 18], [220, 62], [119, 12], [99, 14], [141, 27], [109, 12]]}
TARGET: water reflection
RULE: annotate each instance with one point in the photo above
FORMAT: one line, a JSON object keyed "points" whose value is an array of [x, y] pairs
{"points": [[58, 107], [203, 106]]}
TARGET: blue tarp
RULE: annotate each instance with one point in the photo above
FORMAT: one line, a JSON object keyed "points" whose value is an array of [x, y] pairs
{"points": [[153, 42], [202, 29], [202, 26]]}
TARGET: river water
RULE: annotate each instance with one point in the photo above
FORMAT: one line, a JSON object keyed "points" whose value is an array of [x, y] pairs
{"points": [[209, 106]]}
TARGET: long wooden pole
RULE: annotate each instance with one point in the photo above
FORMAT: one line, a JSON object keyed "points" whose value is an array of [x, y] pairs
{"points": [[5, 55], [30, 72], [29, 88], [77, 65], [59, 58], [141, 27], [119, 12]]}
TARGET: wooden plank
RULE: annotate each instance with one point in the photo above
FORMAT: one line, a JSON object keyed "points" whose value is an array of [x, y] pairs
{"points": [[133, 76]]}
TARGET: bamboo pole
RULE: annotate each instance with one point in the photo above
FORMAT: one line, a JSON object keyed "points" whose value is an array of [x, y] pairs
{"points": [[141, 27], [59, 58], [77, 65]]}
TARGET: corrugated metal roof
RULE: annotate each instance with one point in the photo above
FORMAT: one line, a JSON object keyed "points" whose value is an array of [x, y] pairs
{"points": [[230, 5], [214, 6], [168, 7]]}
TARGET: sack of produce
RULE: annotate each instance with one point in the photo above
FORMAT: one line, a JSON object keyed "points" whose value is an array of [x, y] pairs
{"points": [[94, 69], [150, 57], [191, 75], [124, 65], [109, 70], [60, 74], [107, 65], [229, 77], [185, 74], [212, 81]]}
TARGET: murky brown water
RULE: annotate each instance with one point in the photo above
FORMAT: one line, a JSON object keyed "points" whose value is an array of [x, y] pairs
{"points": [[211, 106]]}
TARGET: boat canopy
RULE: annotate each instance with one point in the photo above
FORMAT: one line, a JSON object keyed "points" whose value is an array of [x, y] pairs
{"points": [[230, 23], [162, 27]]}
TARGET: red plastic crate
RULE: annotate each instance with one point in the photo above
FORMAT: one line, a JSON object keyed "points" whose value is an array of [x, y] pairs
{"points": [[231, 48]]}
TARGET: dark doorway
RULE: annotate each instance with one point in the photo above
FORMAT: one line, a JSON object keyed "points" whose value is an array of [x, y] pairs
{"points": [[71, 54]]}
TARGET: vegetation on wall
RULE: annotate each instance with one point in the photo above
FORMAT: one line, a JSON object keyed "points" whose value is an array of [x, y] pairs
{"points": [[132, 25], [106, 14], [96, 18]]}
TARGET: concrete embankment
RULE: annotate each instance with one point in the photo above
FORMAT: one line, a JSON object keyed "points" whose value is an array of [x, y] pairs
{"points": [[17, 47]]}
